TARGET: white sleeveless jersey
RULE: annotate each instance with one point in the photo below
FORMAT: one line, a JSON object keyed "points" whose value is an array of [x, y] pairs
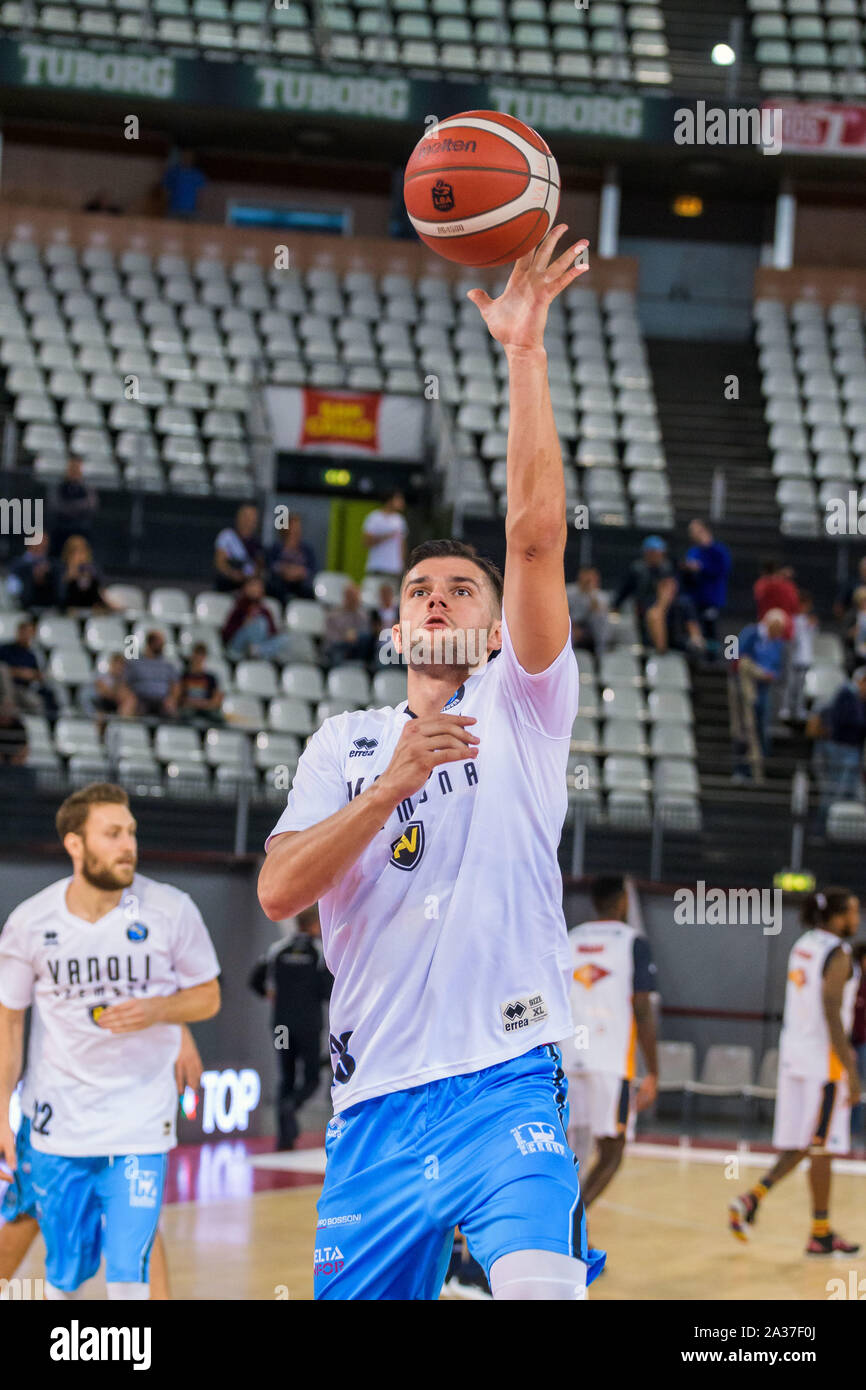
{"points": [[602, 986], [446, 938], [804, 1046], [89, 1091]]}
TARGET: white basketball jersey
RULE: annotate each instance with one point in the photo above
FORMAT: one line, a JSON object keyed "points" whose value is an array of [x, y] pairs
{"points": [[602, 987], [804, 1046], [89, 1091], [446, 938]]}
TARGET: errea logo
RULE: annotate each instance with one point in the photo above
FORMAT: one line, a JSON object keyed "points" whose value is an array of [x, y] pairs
{"points": [[520, 1013], [363, 747]]}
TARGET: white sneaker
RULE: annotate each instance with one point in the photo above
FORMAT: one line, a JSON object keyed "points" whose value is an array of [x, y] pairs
{"points": [[459, 1290]]}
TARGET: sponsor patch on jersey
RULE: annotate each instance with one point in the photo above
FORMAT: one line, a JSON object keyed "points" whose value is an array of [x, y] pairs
{"points": [[136, 931], [97, 1011], [797, 977], [455, 699], [350, 1219], [336, 1125], [407, 849], [522, 1013], [363, 747], [538, 1137]]}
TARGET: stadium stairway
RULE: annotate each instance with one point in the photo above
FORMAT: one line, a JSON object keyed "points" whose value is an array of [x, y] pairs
{"points": [[689, 382], [692, 31]]}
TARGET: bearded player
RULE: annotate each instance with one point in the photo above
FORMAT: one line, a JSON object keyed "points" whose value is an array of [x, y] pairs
{"points": [[428, 833], [111, 962]]}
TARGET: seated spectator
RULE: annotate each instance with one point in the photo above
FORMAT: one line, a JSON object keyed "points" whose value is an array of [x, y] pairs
{"points": [[80, 581], [13, 730], [150, 683], [250, 631], [100, 202], [182, 183], [759, 666], [238, 551], [706, 570], [387, 609], [776, 589], [667, 618], [349, 632], [200, 698], [857, 631], [31, 691], [75, 505], [589, 608], [845, 595], [843, 734], [33, 578], [103, 697], [291, 563]]}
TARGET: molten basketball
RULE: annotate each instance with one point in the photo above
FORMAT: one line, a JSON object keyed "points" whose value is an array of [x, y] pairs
{"points": [[481, 188]]}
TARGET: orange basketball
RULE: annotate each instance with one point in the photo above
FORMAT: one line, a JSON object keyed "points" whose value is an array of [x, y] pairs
{"points": [[481, 188]]}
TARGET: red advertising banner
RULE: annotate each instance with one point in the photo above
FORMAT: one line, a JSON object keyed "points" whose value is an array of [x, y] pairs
{"points": [[340, 418], [823, 129]]}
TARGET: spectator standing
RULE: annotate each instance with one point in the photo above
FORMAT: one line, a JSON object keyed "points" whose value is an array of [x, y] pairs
{"points": [[150, 684], [845, 595], [776, 589], [667, 618], [199, 697], [291, 563], [706, 571], [843, 722], [349, 634], [250, 630], [857, 631], [802, 656], [75, 506], [590, 612], [384, 534], [759, 666], [34, 580], [32, 693], [238, 551], [183, 182], [80, 581], [294, 978]]}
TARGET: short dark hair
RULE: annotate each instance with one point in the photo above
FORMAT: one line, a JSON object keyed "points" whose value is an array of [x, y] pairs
{"points": [[437, 550], [606, 890], [820, 908], [73, 813]]}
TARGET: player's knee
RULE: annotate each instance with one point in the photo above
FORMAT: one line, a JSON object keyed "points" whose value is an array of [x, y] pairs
{"points": [[532, 1275]]}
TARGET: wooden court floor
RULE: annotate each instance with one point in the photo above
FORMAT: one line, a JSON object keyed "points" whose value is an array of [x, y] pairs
{"points": [[662, 1221]]}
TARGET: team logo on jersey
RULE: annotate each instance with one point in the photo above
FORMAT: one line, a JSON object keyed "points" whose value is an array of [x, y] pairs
{"points": [[363, 747], [797, 977], [455, 699], [407, 849], [97, 1011], [538, 1137], [344, 1065], [589, 975], [50, 938], [443, 196], [521, 1013], [136, 931]]}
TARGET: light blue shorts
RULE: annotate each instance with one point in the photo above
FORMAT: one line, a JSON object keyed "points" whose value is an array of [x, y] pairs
{"points": [[485, 1151], [18, 1196]]}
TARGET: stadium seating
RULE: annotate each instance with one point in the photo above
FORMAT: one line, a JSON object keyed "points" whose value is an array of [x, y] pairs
{"points": [[604, 42], [807, 48]]}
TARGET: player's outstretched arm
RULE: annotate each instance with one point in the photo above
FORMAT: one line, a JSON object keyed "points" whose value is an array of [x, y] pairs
{"points": [[535, 524], [11, 1057], [303, 865]]}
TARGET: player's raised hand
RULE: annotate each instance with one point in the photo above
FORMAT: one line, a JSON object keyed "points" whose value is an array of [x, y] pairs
{"points": [[518, 316], [7, 1150], [129, 1016], [423, 745]]}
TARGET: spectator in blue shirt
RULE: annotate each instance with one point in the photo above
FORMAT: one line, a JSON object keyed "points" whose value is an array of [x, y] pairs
{"points": [[706, 570], [760, 663], [844, 722], [182, 183]]}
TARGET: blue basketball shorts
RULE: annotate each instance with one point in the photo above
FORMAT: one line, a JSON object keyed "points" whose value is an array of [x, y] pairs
{"points": [[485, 1151], [89, 1207], [18, 1196]]}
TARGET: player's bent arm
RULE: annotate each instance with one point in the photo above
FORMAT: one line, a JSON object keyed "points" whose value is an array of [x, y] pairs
{"points": [[188, 1005], [11, 1060], [835, 979], [301, 866], [646, 1031]]}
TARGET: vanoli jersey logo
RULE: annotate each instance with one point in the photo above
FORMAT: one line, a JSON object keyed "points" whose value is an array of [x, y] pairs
{"points": [[407, 849]]}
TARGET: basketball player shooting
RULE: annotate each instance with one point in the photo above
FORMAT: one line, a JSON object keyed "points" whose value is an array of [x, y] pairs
{"points": [[428, 834]]}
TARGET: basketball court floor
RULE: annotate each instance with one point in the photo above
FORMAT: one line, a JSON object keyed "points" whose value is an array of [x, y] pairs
{"points": [[239, 1223]]}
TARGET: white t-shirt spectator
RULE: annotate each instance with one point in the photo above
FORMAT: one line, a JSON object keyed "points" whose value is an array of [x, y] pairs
{"points": [[388, 529]]}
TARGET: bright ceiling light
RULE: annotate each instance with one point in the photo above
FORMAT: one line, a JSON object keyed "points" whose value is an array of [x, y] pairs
{"points": [[723, 55]]}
